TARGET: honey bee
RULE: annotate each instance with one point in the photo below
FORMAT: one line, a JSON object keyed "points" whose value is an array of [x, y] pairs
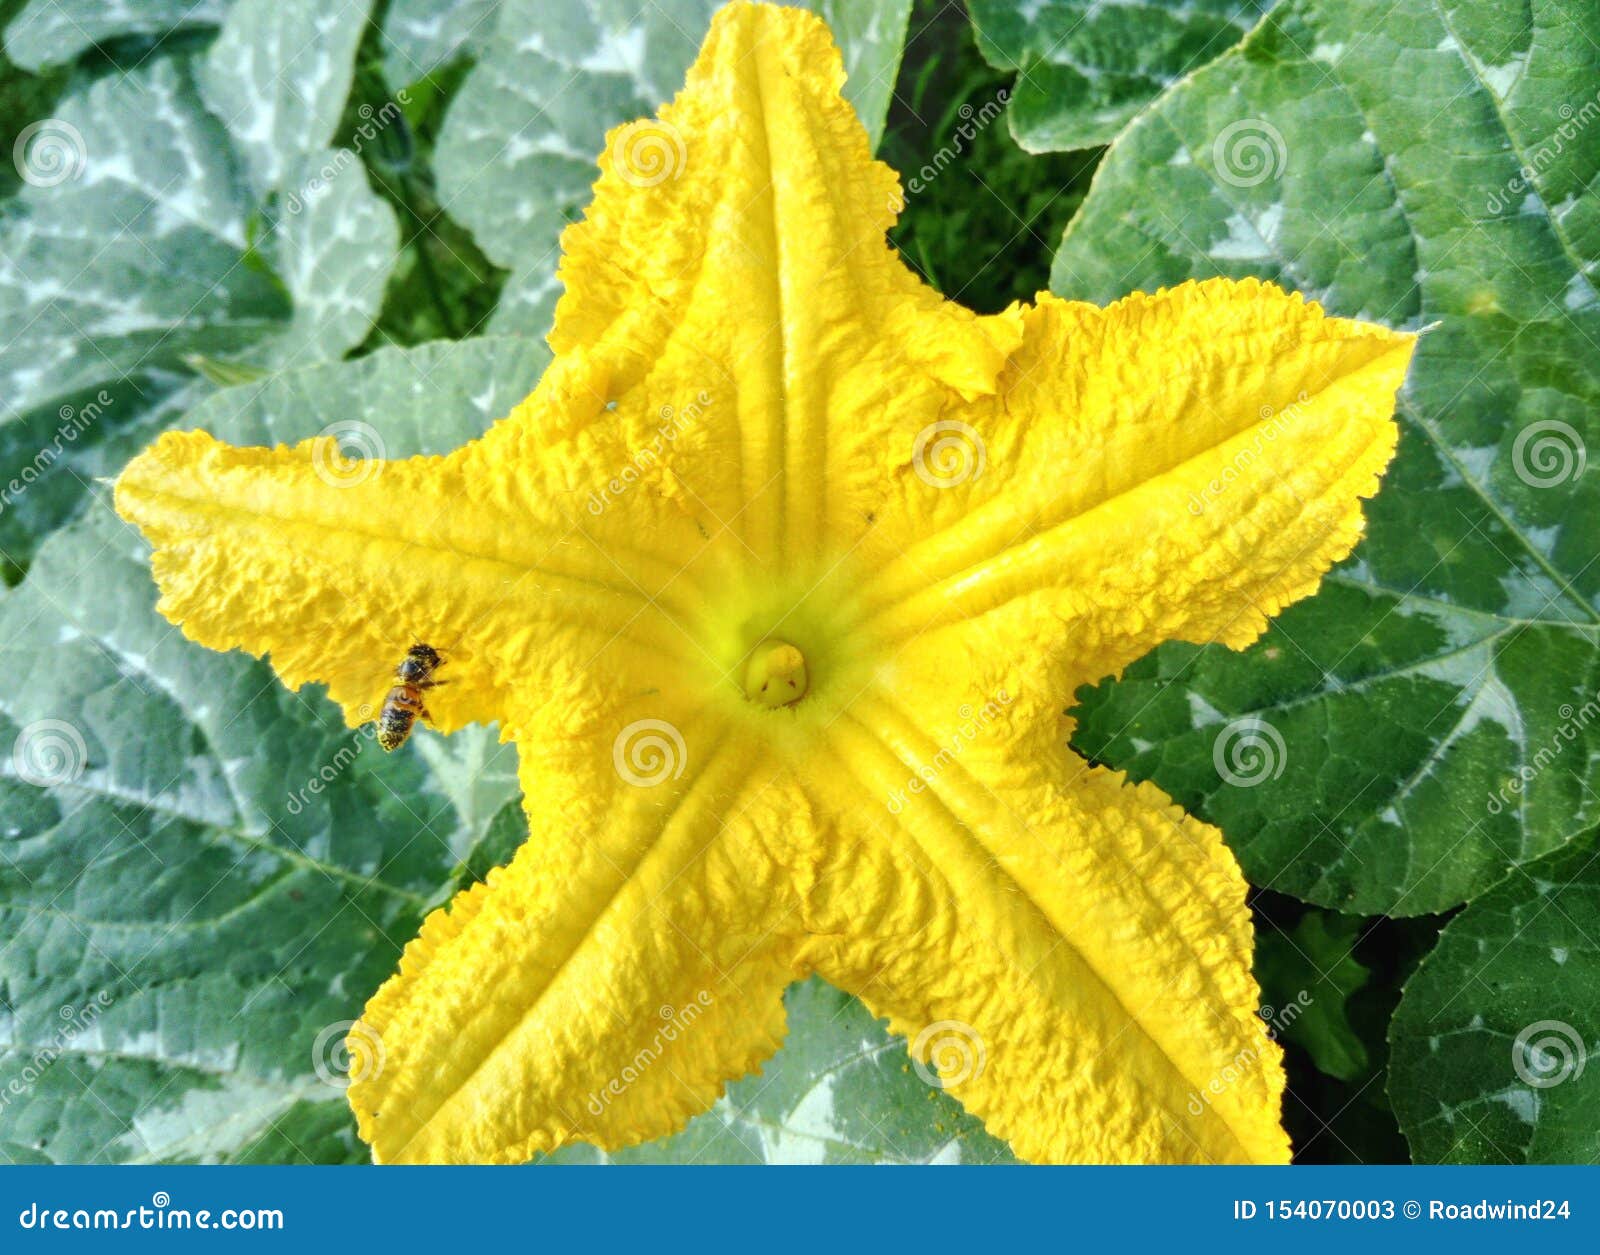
{"points": [[404, 702]]}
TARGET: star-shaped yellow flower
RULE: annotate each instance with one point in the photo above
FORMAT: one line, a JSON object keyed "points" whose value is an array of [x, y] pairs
{"points": [[780, 580]]}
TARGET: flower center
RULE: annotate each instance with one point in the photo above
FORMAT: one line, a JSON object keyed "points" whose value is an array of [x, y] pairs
{"points": [[775, 675]]}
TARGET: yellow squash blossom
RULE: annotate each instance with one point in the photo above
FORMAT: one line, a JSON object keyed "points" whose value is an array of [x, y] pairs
{"points": [[781, 580]]}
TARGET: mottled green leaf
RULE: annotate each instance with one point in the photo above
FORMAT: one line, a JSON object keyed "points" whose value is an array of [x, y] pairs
{"points": [[1429, 719], [278, 76], [1084, 67], [136, 251], [52, 32], [125, 251], [50, 454], [516, 157], [421, 36], [121, 257], [1493, 1051], [334, 247]]}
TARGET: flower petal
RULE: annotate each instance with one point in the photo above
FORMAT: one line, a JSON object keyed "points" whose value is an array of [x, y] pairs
{"points": [[336, 565], [735, 247], [607, 983], [1177, 466], [1073, 952]]}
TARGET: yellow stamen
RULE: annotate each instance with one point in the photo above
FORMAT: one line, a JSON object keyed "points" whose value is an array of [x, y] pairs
{"points": [[775, 675]]}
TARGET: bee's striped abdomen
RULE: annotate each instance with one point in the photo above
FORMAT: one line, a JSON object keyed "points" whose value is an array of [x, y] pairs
{"points": [[400, 711]]}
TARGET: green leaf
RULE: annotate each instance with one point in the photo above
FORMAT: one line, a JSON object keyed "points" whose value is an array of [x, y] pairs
{"points": [[210, 868], [334, 248], [516, 157], [428, 399], [1084, 68], [51, 454], [1307, 978], [1429, 718], [423, 36], [278, 76], [212, 874], [841, 1091], [53, 32], [183, 916], [129, 259], [1494, 1045], [121, 258], [127, 243]]}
